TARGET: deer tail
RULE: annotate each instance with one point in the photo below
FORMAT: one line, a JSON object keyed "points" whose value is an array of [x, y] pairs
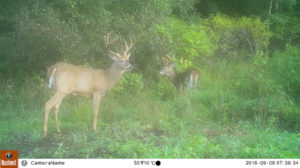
{"points": [[191, 81], [51, 74]]}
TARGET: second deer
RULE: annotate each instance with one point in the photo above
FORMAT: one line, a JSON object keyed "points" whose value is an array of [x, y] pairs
{"points": [[72, 79], [187, 79]]}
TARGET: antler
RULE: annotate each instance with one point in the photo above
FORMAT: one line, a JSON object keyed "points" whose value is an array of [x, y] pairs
{"points": [[131, 45], [127, 48], [167, 60], [106, 40], [164, 60], [108, 43]]}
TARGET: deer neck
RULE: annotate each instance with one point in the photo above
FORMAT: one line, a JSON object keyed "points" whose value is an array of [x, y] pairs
{"points": [[115, 73], [172, 75]]}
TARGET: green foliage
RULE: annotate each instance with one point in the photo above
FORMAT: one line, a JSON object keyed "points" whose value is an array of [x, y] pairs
{"points": [[130, 83], [233, 35], [45, 32], [164, 89], [251, 91], [245, 7], [283, 68], [128, 138], [39, 39], [183, 8], [189, 42], [285, 29]]}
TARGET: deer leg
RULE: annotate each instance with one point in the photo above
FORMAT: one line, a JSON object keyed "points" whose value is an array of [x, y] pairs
{"points": [[48, 106], [96, 100], [56, 115], [196, 81], [56, 121]]}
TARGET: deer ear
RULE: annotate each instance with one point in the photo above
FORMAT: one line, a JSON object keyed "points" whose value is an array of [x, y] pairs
{"points": [[128, 55]]}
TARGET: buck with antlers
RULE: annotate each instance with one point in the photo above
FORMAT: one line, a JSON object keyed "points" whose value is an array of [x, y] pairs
{"points": [[67, 78], [181, 80]]}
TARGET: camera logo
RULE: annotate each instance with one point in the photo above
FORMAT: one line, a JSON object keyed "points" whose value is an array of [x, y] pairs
{"points": [[8, 155], [8, 159]]}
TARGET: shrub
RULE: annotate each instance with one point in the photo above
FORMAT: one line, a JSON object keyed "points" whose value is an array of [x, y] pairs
{"points": [[189, 42], [129, 84], [241, 35]]}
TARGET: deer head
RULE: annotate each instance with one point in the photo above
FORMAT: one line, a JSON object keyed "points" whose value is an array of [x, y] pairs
{"points": [[188, 78], [120, 58], [168, 68]]}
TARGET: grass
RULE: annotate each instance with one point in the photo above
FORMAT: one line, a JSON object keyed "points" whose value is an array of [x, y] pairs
{"points": [[157, 129], [126, 138]]}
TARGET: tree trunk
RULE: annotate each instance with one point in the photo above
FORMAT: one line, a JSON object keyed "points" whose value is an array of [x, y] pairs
{"points": [[270, 11]]}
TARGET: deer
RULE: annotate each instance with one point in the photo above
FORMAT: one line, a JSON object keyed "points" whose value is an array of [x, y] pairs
{"points": [[68, 79], [183, 80]]}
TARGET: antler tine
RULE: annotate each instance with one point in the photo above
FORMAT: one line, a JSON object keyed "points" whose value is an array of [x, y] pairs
{"points": [[106, 37], [165, 60], [126, 45], [132, 44], [107, 43], [114, 53], [170, 58]]}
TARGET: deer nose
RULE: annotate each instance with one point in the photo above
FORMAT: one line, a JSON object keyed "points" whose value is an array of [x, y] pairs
{"points": [[130, 68]]}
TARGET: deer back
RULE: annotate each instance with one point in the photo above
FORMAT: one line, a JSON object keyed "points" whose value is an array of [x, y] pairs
{"points": [[186, 79], [72, 78]]}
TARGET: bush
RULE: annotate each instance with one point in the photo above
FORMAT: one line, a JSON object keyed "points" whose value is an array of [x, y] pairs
{"points": [[189, 42], [283, 68], [237, 36], [254, 91], [129, 84]]}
